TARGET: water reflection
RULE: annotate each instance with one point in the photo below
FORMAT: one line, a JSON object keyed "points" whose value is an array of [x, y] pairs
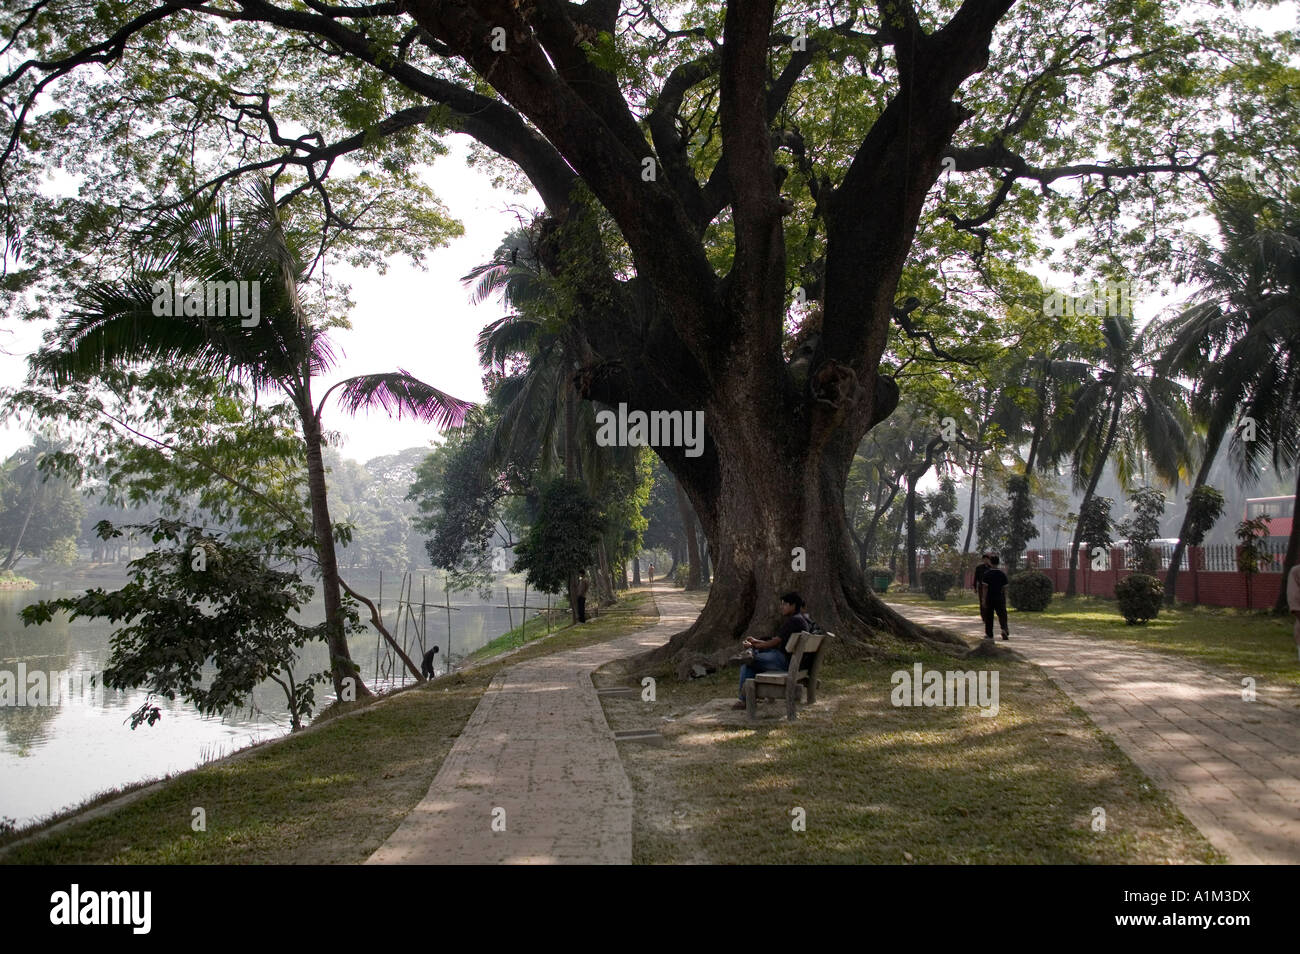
{"points": [[52, 757]]}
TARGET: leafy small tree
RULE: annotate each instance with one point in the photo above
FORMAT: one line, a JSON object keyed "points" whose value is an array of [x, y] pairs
{"points": [[1251, 552], [201, 599], [1095, 527], [1143, 527], [561, 540], [1020, 519], [994, 527], [1204, 508]]}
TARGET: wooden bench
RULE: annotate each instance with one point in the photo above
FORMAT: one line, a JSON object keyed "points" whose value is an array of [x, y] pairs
{"points": [[807, 650]]}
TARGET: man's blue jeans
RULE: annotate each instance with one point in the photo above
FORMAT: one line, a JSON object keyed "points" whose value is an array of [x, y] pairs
{"points": [[768, 660]]}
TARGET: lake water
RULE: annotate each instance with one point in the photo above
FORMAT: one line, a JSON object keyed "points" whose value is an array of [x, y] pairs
{"points": [[55, 756]]}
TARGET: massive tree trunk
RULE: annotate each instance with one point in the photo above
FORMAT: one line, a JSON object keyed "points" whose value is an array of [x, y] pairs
{"points": [[765, 522], [341, 665], [772, 470]]}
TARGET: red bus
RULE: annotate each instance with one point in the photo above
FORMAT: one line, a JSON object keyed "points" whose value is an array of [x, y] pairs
{"points": [[1280, 511]]}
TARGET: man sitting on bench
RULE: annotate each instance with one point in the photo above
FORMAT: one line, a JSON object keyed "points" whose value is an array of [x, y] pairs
{"points": [[770, 654]]}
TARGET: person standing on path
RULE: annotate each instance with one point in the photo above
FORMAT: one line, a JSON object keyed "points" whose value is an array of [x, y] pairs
{"points": [[1293, 601], [995, 596], [652, 572], [580, 594], [981, 593]]}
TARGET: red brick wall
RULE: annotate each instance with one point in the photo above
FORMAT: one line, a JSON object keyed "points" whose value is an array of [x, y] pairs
{"points": [[1210, 589]]}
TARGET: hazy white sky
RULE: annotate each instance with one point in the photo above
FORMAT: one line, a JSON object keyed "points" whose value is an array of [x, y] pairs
{"points": [[418, 320]]}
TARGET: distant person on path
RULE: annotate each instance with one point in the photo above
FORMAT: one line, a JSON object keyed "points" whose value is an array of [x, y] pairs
{"points": [[980, 593], [652, 572], [995, 583], [770, 655], [580, 595], [1293, 600]]}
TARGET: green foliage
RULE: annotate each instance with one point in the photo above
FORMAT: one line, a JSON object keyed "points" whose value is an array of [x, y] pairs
{"points": [[1143, 527], [1096, 526], [1204, 508], [682, 575], [939, 524], [1030, 590], [461, 501], [1020, 519], [880, 578], [1139, 597], [1251, 553], [937, 583], [39, 509], [199, 602], [994, 527], [62, 552], [560, 543]]}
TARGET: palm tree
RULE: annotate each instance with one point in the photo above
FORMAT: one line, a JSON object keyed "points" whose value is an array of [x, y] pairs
{"points": [[115, 324], [543, 416], [1123, 410], [1239, 341]]}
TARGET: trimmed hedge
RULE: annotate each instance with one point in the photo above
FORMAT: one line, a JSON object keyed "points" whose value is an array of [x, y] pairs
{"points": [[879, 572], [1139, 597], [1030, 591], [937, 583]]}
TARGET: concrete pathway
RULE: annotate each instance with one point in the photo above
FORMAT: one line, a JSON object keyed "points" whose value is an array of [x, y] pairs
{"points": [[1231, 766], [538, 759]]}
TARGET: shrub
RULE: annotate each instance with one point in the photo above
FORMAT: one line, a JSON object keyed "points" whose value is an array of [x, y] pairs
{"points": [[937, 583], [1030, 590], [681, 574], [1139, 597], [881, 573]]}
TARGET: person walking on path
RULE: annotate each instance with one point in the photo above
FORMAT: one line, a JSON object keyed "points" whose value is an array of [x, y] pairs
{"points": [[981, 593], [770, 654], [652, 572], [580, 595], [1293, 601], [995, 582]]}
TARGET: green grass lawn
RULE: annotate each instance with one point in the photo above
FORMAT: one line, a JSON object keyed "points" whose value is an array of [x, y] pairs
{"points": [[332, 794], [533, 628], [1237, 641], [880, 784]]}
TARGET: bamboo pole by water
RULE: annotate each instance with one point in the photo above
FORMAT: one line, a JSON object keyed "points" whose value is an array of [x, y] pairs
{"points": [[447, 591], [379, 636], [406, 625]]}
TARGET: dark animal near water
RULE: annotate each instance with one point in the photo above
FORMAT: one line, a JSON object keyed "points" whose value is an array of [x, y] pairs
{"points": [[426, 667]]}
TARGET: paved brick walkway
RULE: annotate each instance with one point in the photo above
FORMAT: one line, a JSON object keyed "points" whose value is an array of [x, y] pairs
{"points": [[537, 746], [1231, 766]]}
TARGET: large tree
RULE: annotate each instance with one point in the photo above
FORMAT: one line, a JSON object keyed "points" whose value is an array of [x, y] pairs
{"points": [[651, 134]]}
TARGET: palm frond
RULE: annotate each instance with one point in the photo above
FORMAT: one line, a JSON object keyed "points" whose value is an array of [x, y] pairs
{"points": [[399, 393]]}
